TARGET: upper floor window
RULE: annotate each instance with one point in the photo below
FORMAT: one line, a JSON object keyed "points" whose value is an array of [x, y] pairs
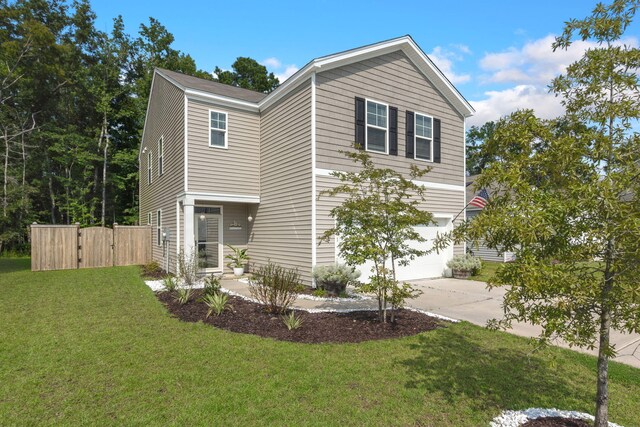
{"points": [[159, 226], [149, 167], [160, 156], [424, 137], [217, 129], [377, 127]]}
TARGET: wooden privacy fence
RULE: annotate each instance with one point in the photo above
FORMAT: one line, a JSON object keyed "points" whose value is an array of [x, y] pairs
{"points": [[62, 247]]}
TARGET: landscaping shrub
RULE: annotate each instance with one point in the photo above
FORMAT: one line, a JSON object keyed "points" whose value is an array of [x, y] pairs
{"points": [[217, 302], [465, 263], [292, 321], [183, 295], [211, 285], [321, 293], [169, 284], [152, 270], [275, 287], [188, 268], [334, 278]]}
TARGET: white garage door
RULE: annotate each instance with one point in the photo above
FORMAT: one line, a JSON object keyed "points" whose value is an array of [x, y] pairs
{"points": [[429, 266]]}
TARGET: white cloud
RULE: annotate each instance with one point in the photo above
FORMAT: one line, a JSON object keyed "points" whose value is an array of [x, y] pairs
{"points": [[444, 59], [281, 71], [535, 62], [528, 70], [288, 72], [272, 63], [500, 103]]}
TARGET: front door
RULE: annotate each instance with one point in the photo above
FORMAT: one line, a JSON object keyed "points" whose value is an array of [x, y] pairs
{"points": [[208, 231]]}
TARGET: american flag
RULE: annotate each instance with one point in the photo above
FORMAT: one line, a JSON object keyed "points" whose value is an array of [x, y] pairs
{"points": [[481, 199]]}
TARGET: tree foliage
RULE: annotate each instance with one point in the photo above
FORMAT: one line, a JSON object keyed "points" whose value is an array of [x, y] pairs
{"points": [[72, 106], [566, 198], [248, 74], [477, 158], [375, 223]]}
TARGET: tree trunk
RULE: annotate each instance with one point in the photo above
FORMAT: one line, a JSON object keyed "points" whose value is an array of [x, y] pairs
{"points": [[52, 195], [602, 395], [5, 172], [104, 136]]}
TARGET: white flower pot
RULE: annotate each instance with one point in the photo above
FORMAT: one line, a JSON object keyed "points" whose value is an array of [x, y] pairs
{"points": [[238, 271]]}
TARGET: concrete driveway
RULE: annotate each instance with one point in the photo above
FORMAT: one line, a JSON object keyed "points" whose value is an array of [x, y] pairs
{"points": [[471, 301]]}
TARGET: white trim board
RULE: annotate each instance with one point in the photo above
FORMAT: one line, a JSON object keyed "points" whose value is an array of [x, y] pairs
{"points": [[186, 143], [217, 197], [314, 225], [426, 184]]}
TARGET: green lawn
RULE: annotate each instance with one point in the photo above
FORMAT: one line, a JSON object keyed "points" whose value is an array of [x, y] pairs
{"points": [[489, 268], [95, 347]]}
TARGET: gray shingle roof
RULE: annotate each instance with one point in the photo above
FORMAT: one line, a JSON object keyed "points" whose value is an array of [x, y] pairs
{"points": [[213, 87]]}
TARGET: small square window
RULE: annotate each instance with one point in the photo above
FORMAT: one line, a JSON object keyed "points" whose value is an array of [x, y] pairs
{"points": [[217, 129]]}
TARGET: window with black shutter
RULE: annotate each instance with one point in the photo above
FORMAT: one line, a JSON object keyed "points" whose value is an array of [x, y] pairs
{"points": [[393, 131], [360, 123], [409, 135]]}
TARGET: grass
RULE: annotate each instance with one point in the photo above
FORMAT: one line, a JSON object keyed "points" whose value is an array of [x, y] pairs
{"points": [[94, 347], [488, 270]]}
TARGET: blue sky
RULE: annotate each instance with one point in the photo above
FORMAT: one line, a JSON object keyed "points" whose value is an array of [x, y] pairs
{"points": [[497, 53]]}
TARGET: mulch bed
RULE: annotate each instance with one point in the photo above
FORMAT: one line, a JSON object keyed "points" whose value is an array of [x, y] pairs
{"points": [[247, 317], [557, 422]]}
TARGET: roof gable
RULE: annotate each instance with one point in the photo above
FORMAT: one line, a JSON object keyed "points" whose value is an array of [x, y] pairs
{"points": [[257, 101], [405, 44]]}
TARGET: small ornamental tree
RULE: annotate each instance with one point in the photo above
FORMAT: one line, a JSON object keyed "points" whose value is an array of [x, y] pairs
{"points": [[566, 199], [375, 223]]}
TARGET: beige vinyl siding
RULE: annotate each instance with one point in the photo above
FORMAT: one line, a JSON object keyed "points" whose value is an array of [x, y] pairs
{"points": [[438, 201], [282, 227], [394, 80], [165, 118], [231, 170]]}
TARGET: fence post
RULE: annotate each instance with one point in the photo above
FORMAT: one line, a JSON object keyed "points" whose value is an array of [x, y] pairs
{"points": [[114, 245]]}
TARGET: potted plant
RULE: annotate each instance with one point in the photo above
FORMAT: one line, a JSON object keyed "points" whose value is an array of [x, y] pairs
{"points": [[464, 266], [334, 278], [237, 260]]}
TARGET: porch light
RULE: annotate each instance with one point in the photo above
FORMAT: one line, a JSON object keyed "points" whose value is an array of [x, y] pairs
{"points": [[202, 217], [250, 219]]}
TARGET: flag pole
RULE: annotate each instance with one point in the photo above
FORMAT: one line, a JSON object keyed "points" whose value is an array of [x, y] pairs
{"points": [[465, 207]]}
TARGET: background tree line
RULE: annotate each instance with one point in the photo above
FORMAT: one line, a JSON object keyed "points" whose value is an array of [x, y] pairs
{"points": [[72, 107]]}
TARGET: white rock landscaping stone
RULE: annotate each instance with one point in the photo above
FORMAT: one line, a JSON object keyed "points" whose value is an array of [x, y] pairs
{"points": [[518, 418]]}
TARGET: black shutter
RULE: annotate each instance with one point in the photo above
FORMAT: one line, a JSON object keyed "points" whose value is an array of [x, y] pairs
{"points": [[410, 142], [393, 131], [360, 123], [436, 140]]}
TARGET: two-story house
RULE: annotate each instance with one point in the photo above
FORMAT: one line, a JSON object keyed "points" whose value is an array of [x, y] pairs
{"points": [[223, 165]]}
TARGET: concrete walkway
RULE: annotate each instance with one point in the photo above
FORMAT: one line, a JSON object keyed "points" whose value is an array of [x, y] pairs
{"points": [[462, 300], [471, 301]]}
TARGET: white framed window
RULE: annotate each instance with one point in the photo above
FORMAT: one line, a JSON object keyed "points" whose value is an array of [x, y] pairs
{"points": [[149, 218], [149, 167], [159, 226], [377, 135], [160, 155], [423, 149], [217, 129]]}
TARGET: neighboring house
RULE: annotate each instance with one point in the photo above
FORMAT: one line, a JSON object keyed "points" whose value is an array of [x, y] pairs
{"points": [[481, 250], [223, 165]]}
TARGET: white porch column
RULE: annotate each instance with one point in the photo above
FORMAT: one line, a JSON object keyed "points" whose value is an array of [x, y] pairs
{"points": [[189, 231]]}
